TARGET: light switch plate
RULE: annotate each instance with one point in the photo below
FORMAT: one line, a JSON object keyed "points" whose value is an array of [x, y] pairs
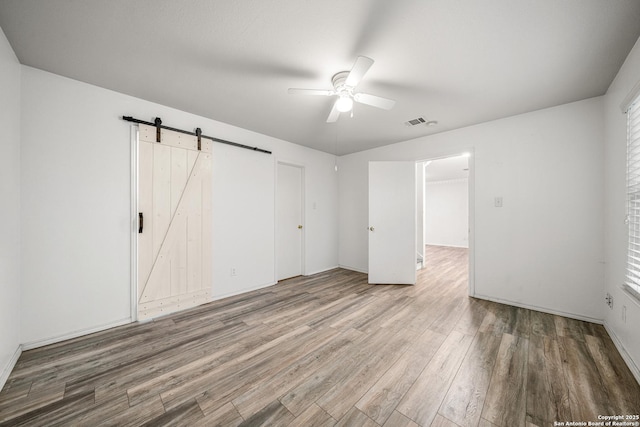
{"points": [[498, 202]]}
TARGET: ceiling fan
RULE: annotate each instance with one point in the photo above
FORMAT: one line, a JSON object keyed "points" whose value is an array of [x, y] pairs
{"points": [[344, 85]]}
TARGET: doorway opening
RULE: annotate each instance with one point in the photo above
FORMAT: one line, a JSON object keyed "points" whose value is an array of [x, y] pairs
{"points": [[445, 213]]}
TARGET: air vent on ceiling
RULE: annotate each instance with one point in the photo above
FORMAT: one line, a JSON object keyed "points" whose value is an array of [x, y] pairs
{"points": [[420, 121], [415, 122]]}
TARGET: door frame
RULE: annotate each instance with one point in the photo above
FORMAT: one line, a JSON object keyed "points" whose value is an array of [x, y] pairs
{"points": [[303, 262], [134, 131], [471, 203]]}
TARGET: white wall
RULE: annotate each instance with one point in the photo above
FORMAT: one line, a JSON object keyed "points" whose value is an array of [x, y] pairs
{"points": [[446, 219], [76, 205], [625, 333], [9, 207], [543, 249]]}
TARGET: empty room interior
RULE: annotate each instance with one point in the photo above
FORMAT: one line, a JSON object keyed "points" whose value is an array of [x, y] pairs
{"points": [[299, 213]]}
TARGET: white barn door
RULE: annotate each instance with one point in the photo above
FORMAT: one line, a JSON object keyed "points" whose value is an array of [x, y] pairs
{"points": [[174, 239]]}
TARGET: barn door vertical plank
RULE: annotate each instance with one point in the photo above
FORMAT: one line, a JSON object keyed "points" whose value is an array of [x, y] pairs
{"points": [[145, 206], [194, 229], [161, 195], [207, 219]]}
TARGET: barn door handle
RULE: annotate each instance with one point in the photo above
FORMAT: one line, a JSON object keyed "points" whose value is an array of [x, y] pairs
{"points": [[140, 222]]}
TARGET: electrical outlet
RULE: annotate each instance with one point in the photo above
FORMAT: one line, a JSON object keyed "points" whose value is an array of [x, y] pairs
{"points": [[624, 313], [233, 271], [609, 300], [497, 202]]}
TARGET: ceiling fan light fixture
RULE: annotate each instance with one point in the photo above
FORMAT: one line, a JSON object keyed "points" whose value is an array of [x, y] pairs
{"points": [[344, 103], [344, 83]]}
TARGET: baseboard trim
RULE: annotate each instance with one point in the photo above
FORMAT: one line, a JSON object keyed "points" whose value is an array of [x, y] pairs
{"points": [[242, 291], [9, 366], [255, 288], [359, 270], [322, 270], [447, 246], [75, 334], [541, 309], [623, 352]]}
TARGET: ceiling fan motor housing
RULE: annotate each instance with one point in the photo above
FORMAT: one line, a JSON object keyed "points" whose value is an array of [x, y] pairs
{"points": [[338, 81]]}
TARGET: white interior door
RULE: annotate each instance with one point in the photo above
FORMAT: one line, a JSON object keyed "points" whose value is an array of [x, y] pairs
{"points": [[420, 215], [392, 223], [174, 239], [289, 217]]}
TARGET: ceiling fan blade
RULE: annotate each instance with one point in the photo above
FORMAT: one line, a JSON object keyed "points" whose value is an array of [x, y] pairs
{"points": [[374, 101], [333, 115], [296, 91], [358, 71]]}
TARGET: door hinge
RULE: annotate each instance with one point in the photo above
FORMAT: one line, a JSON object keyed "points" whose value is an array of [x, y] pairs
{"points": [[140, 222]]}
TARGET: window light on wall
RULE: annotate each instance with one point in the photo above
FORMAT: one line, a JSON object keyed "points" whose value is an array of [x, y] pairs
{"points": [[633, 197]]}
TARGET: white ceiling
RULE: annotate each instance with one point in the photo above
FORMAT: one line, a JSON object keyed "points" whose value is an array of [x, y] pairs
{"points": [[460, 62], [447, 169]]}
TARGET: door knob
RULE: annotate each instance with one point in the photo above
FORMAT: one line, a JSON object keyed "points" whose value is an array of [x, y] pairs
{"points": [[371, 228], [299, 227]]}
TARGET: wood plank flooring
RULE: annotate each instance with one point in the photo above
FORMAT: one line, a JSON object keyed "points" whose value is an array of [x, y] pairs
{"points": [[328, 350]]}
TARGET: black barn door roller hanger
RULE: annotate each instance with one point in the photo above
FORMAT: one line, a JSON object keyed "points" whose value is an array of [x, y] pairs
{"points": [[157, 123]]}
